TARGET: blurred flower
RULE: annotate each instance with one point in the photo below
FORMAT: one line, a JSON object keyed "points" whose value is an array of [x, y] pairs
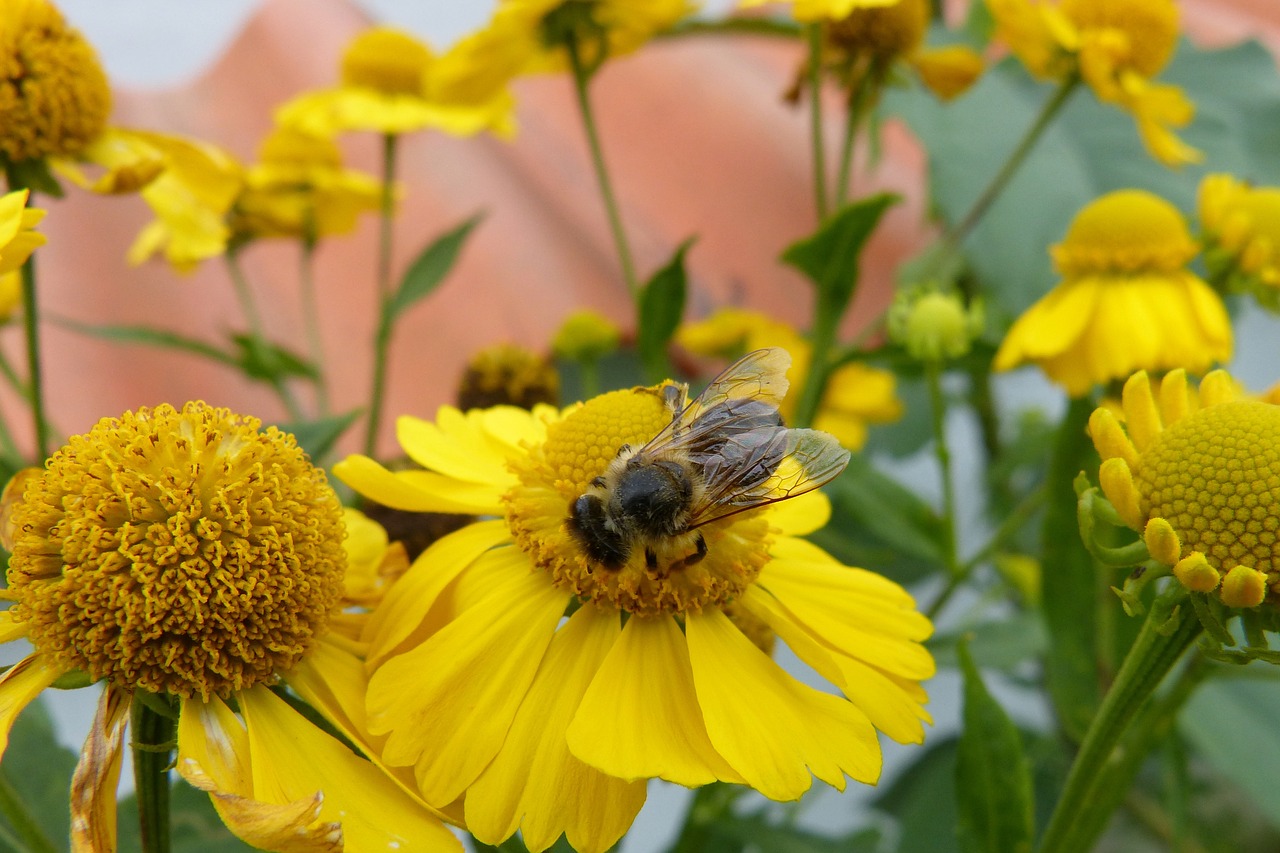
{"points": [[856, 394], [1241, 227], [392, 83], [1117, 47], [17, 237], [10, 295], [812, 11], [648, 676], [585, 335], [508, 375], [934, 325], [1127, 300], [1199, 479], [191, 556], [299, 189], [54, 97]]}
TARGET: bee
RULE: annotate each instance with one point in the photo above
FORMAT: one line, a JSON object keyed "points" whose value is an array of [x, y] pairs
{"points": [[724, 453]]}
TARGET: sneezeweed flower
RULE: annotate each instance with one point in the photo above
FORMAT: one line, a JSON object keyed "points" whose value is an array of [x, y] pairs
{"points": [[18, 237], [857, 395], [1198, 476], [509, 375], [594, 681], [54, 95], [195, 558], [299, 189], [1127, 300], [814, 11], [585, 335], [392, 83], [1241, 225], [1117, 47], [934, 325]]}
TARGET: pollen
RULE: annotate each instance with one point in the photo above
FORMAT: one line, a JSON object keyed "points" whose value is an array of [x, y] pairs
{"points": [[1214, 476], [183, 552], [578, 449], [386, 60], [1125, 232], [54, 95]]}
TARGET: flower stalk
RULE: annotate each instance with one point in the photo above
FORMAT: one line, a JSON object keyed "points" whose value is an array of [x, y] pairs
{"points": [[382, 337], [258, 336], [814, 34], [35, 373], [153, 740], [311, 319]]}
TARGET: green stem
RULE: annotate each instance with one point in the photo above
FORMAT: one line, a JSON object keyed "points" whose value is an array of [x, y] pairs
{"points": [[245, 294], [815, 381], [311, 320], [1170, 628], [382, 337], [589, 370], [15, 811], [938, 413], [814, 33], [710, 804], [35, 382], [153, 739], [581, 79], [954, 237], [858, 100]]}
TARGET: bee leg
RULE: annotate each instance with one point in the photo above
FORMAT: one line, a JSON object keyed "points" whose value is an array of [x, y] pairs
{"points": [[696, 556], [626, 448], [598, 482], [650, 558]]}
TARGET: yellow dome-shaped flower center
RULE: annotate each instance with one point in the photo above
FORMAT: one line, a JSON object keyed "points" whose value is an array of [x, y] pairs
{"points": [[181, 552], [1262, 208], [882, 31], [54, 97], [1125, 232], [1215, 477], [557, 473], [386, 60], [1150, 27]]}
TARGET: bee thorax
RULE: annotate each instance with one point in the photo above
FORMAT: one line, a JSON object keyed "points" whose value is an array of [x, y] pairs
{"points": [[654, 499]]}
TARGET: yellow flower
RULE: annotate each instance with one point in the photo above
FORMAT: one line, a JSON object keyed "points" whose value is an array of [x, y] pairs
{"points": [[1198, 476], [585, 335], [1241, 227], [392, 83], [813, 11], [1127, 300], [190, 556], [10, 295], [509, 375], [299, 189], [54, 96], [1117, 47], [856, 395], [656, 672], [17, 239]]}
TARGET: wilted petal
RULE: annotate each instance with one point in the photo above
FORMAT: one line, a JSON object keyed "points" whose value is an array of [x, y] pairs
{"points": [[93, 787]]}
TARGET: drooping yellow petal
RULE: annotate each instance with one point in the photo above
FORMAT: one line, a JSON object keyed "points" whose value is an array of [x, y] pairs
{"points": [[375, 814], [426, 698], [19, 685], [1048, 327], [455, 446], [645, 689], [9, 629], [802, 515], [771, 728], [890, 708], [534, 783], [418, 491], [404, 610], [948, 71], [93, 786]]}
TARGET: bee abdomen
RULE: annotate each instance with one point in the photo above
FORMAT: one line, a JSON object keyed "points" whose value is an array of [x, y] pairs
{"points": [[601, 540]]}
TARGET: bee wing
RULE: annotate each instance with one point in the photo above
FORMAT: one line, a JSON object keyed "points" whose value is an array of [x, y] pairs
{"points": [[759, 376], [765, 466]]}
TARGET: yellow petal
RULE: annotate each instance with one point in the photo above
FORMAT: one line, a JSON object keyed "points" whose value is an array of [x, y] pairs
{"points": [[454, 446], [801, 515], [20, 684], [418, 491], [93, 786], [771, 728], [407, 605], [948, 71], [890, 708], [534, 783], [9, 629], [291, 759], [640, 717], [426, 699], [1049, 327]]}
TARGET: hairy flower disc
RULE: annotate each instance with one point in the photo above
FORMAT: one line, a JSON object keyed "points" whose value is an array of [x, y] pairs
{"points": [[580, 448], [1129, 231], [1215, 477], [182, 552], [54, 97]]}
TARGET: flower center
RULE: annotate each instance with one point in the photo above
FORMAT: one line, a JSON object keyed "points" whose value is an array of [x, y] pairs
{"points": [[1150, 27], [1125, 232], [181, 552], [509, 375], [54, 95], [1215, 477], [884, 32], [386, 60], [657, 575]]}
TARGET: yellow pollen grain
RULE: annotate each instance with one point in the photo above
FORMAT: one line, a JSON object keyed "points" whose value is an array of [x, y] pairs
{"points": [[181, 552], [1215, 477]]}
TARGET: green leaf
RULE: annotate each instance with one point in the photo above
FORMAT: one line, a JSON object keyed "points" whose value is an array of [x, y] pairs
{"points": [[756, 833], [429, 268], [661, 307], [38, 770], [923, 802], [829, 258], [35, 175], [148, 336], [881, 525], [994, 798], [998, 644], [268, 362], [318, 437]]}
